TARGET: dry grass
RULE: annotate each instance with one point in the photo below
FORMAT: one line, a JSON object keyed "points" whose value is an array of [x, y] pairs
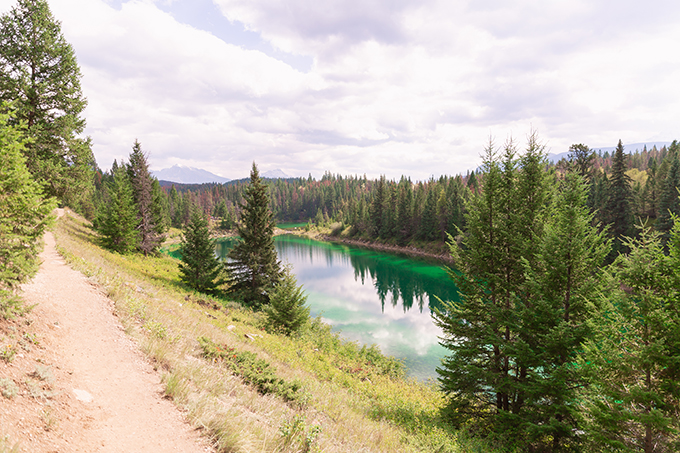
{"points": [[338, 411]]}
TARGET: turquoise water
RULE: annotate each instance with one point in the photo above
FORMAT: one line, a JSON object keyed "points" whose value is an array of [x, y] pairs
{"points": [[290, 226], [371, 297]]}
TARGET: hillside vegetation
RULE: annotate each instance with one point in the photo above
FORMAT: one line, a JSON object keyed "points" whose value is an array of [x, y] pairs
{"points": [[254, 391]]}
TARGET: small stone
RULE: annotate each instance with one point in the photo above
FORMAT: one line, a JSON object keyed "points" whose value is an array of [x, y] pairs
{"points": [[82, 395]]}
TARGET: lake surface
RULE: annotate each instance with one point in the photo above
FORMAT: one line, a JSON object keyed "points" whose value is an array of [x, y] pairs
{"points": [[371, 297]]}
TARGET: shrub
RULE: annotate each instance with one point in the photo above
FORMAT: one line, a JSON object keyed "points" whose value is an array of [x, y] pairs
{"points": [[254, 371]]}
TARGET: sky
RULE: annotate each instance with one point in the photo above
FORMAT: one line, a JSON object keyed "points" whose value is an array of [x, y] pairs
{"points": [[375, 87]]}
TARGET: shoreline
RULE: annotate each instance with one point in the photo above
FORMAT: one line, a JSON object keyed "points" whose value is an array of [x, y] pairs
{"points": [[442, 257], [406, 250]]}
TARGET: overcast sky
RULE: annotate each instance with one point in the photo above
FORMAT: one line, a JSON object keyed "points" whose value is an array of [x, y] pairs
{"points": [[373, 87]]}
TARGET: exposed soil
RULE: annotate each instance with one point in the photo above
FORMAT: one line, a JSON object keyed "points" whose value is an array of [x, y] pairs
{"points": [[80, 383]]}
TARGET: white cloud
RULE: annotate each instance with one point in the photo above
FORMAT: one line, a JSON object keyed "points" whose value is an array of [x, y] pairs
{"points": [[407, 87]]}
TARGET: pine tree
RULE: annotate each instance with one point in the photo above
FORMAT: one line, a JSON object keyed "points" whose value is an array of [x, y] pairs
{"points": [[24, 216], [149, 217], [117, 222], [160, 212], [488, 374], [404, 211], [564, 278], [254, 268], [650, 192], [474, 374], [287, 311], [581, 158], [39, 73], [635, 357], [669, 203], [200, 268], [376, 208], [428, 223], [619, 199]]}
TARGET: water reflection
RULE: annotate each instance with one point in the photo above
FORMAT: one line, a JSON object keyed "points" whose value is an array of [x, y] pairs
{"points": [[371, 296]]}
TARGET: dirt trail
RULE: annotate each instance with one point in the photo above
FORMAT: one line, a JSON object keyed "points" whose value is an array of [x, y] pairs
{"points": [[86, 387]]}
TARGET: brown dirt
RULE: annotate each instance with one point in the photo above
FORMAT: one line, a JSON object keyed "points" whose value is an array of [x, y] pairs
{"points": [[82, 384]]}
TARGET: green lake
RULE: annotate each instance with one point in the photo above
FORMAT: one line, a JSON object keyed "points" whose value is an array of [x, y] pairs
{"points": [[371, 297]]}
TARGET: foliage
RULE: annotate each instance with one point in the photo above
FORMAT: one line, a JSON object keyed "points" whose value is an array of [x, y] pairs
{"points": [[287, 311], [527, 266], [633, 403], [669, 203], [296, 434], [200, 268], [566, 276], [40, 74], [117, 217], [619, 213], [149, 215], [582, 159], [254, 268], [24, 216], [254, 371]]}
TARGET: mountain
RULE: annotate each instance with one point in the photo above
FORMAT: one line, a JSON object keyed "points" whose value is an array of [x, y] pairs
{"points": [[187, 175], [275, 174], [631, 148]]}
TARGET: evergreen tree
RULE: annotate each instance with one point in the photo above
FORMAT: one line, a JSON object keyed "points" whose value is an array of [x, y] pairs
{"points": [[254, 268], [669, 203], [635, 357], [376, 209], [149, 217], [650, 191], [619, 199], [565, 277], [474, 375], [160, 212], [287, 311], [24, 216], [117, 222], [582, 158], [597, 199], [428, 222], [404, 222], [200, 268], [489, 374], [39, 73]]}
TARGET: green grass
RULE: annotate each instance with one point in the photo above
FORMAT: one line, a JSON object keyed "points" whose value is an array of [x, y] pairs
{"points": [[321, 393]]}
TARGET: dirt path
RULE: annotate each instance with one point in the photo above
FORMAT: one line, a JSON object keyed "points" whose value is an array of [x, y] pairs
{"points": [[81, 384]]}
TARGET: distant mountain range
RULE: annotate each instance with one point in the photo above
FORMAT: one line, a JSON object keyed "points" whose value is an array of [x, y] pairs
{"points": [[191, 175], [627, 148]]}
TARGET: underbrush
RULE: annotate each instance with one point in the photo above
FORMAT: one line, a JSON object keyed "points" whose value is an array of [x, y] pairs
{"points": [[251, 390]]}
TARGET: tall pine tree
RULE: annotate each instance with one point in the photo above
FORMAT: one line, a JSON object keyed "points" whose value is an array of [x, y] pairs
{"points": [[150, 222], [117, 218], [200, 268], [24, 216], [669, 203], [633, 401], [40, 74], [619, 199], [253, 267]]}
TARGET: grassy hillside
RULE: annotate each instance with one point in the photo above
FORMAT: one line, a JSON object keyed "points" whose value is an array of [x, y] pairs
{"points": [[253, 391]]}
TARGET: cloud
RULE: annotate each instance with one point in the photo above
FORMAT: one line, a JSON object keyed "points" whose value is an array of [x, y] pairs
{"points": [[406, 87]]}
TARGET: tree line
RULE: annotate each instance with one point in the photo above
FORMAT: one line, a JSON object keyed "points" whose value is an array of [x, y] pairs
{"points": [[621, 188]]}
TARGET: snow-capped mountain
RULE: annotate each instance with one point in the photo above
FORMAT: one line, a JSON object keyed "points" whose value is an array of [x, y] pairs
{"points": [[187, 175]]}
